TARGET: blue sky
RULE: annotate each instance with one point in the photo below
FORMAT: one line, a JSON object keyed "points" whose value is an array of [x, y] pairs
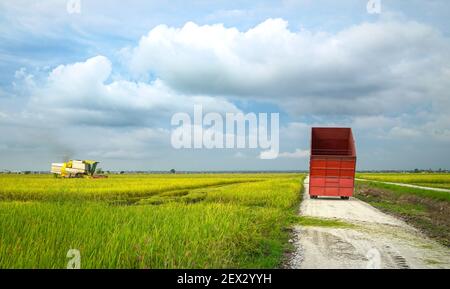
{"points": [[104, 83]]}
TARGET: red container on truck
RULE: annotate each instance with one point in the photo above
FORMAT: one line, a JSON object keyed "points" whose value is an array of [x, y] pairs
{"points": [[332, 162]]}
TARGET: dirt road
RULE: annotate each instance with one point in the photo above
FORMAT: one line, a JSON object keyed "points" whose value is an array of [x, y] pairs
{"points": [[375, 240], [407, 185]]}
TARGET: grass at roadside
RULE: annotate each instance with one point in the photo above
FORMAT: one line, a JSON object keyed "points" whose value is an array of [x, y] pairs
{"points": [[426, 210], [227, 221], [434, 180], [321, 222], [400, 190]]}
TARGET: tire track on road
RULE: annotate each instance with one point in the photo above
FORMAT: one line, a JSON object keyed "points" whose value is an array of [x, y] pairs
{"points": [[377, 240]]}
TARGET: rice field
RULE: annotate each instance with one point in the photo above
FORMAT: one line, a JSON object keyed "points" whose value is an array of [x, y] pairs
{"points": [[147, 221], [435, 180]]}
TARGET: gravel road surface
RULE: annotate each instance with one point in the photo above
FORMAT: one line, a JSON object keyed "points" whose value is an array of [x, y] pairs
{"points": [[376, 240]]}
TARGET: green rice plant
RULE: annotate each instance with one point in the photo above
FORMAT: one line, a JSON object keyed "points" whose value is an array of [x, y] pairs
{"points": [[164, 221]]}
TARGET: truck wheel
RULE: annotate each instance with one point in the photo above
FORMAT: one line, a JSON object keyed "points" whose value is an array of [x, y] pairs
{"points": [[345, 198], [313, 197]]}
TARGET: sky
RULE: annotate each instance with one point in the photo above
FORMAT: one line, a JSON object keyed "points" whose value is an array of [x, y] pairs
{"points": [[103, 81]]}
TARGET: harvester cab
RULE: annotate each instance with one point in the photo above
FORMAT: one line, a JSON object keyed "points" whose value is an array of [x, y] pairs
{"points": [[76, 169], [91, 166]]}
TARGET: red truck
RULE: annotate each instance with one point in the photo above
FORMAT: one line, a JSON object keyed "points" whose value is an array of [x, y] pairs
{"points": [[332, 163]]}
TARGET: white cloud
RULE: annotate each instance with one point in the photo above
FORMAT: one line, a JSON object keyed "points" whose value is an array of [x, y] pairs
{"points": [[268, 155], [137, 143], [366, 69], [403, 132], [80, 93], [388, 80], [297, 154], [239, 155], [372, 122], [112, 119]]}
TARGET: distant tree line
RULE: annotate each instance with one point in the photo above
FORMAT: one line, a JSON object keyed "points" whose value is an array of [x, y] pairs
{"points": [[173, 171], [414, 171]]}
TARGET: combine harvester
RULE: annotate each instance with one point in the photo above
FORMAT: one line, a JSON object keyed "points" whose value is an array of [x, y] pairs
{"points": [[76, 169]]}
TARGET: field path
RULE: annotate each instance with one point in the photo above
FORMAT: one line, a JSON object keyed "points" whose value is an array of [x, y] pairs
{"points": [[375, 240], [406, 185]]}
